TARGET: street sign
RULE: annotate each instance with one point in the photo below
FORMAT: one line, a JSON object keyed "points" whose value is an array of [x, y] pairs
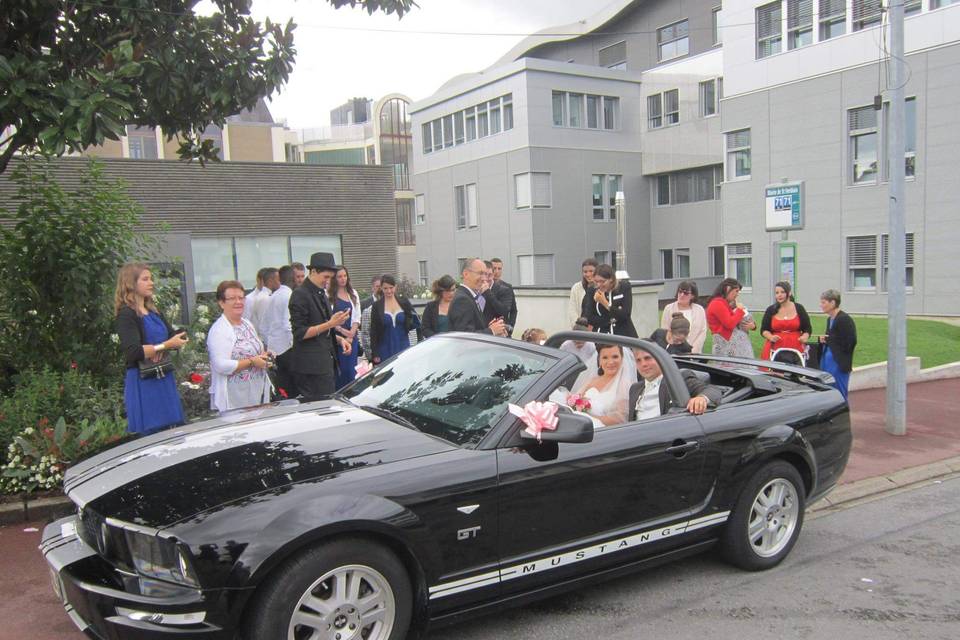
{"points": [[784, 206]]}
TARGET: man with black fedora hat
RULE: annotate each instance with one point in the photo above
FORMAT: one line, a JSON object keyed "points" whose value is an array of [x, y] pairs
{"points": [[313, 323]]}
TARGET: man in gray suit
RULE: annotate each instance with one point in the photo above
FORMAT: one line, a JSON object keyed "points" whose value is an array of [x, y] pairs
{"points": [[650, 398]]}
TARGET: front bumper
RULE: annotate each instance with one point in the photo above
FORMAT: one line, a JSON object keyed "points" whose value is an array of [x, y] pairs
{"points": [[93, 595]]}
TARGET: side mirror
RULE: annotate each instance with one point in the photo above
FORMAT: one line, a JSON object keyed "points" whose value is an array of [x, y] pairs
{"points": [[572, 427]]}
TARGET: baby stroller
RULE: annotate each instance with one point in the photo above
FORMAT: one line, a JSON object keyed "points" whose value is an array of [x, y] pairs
{"points": [[789, 356]]}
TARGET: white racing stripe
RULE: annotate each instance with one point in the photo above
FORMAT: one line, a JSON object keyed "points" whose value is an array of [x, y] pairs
{"points": [[576, 555]]}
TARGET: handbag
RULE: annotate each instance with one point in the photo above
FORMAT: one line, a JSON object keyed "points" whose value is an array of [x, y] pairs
{"points": [[150, 369]]}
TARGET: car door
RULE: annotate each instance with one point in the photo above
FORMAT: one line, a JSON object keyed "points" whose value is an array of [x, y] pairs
{"points": [[582, 507]]}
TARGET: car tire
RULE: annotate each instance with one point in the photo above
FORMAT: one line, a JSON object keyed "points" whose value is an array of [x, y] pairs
{"points": [[348, 589], [767, 518]]}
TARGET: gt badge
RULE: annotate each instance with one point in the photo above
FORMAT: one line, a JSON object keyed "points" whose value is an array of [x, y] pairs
{"points": [[470, 532]]}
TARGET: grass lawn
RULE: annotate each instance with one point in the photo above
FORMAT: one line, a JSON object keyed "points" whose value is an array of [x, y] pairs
{"points": [[935, 343]]}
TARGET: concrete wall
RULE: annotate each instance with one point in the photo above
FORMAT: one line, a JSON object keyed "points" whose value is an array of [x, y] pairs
{"points": [[250, 142]]}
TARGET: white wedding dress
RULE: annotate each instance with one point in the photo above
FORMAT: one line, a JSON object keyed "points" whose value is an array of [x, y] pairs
{"points": [[601, 403]]}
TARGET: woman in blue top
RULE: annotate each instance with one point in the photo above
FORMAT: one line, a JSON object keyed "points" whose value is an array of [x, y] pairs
{"points": [[152, 403], [435, 319], [344, 298], [836, 349], [391, 321]]}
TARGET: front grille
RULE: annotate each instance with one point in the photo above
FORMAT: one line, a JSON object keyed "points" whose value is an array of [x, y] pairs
{"points": [[89, 529]]}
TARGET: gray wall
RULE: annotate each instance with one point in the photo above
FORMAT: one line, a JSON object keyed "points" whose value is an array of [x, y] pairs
{"points": [[240, 198], [799, 132]]}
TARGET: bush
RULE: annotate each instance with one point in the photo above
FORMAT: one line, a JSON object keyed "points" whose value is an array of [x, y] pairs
{"points": [[44, 396], [38, 456]]}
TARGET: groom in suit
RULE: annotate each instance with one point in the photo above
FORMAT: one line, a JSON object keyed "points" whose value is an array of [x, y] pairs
{"points": [[466, 308], [650, 398]]}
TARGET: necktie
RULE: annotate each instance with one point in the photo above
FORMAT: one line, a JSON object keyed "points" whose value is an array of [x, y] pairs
{"points": [[481, 301]]}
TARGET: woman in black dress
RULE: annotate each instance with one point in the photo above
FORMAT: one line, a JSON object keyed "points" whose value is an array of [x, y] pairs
{"points": [[608, 303]]}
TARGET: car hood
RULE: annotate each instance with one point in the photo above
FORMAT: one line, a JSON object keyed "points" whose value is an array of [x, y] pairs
{"points": [[162, 479]]}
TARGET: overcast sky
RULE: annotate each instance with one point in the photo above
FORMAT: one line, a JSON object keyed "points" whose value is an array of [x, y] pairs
{"points": [[340, 53]]}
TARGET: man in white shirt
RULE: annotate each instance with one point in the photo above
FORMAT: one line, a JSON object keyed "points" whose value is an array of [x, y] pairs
{"points": [[650, 398], [271, 282], [277, 333], [254, 295], [587, 268]]}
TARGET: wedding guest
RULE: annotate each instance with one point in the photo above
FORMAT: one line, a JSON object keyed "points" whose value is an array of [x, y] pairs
{"points": [[314, 324], [585, 350], [152, 403], [650, 398], [608, 303], [465, 311], [490, 305], [686, 303], [785, 323], [299, 274], [675, 337], [534, 335], [278, 336], [392, 318], [435, 315], [271, 282], [837, 345], [255, 293], [729, 321], [574, 309], [345, 298], [374, 294], [503, 292], [238, 359]]}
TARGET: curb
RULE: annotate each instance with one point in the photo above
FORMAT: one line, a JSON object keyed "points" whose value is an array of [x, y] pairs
{"points": [[45, 508], [879, 485]]}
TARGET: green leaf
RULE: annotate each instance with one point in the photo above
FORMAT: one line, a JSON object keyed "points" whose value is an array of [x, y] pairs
{"points": [[26, 446], [60, 432]]}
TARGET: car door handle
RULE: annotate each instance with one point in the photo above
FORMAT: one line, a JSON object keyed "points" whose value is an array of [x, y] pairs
{"points": [[680, 448]]}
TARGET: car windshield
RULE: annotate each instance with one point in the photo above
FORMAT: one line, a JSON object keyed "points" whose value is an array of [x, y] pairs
{"points": [[454, 388]]}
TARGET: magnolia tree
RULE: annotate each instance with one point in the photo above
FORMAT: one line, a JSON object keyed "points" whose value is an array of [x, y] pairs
{"points": [[73, 74]]}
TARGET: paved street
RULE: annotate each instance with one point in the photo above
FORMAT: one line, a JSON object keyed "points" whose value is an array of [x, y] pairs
{"points": [[883, 569]]}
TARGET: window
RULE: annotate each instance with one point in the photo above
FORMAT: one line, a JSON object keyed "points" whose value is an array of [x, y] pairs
{"points": [[465, 199], [655, 111], [611, 111], [862, 124], [908, 260], [458, 136], [142, 142], [405, 209], [691, 185], [715, 260], [254, 253], [738, 154], [663, 190], [422, 273], [614, 56], [671, 106], [461, 265], [427, 138], [593, 112], [666, 264], [799, 23], [437, 135], [575, 109], [470, 121], [532, 190], [536, 269], [833, 18], [709, 99], [715, 25], [604, 198], [420, 209], [683, 263], [861, 263], [495, 122], [212, 262], [769, 30], [936, 4], [447, 131], [673, 41], [740, 263], [483, 121], [911, 6], [507, 102], [559, 108], [866, 13], [910, 137], [603, 257], [302, 247]]}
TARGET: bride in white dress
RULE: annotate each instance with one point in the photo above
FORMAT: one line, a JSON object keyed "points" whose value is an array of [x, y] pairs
{"points": [[608, 392]]}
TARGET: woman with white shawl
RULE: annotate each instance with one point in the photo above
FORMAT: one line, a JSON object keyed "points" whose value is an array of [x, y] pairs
{"points": [[609, 391]]}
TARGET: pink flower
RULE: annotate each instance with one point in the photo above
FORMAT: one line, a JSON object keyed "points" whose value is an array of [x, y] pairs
{"points": [[578, 402]]}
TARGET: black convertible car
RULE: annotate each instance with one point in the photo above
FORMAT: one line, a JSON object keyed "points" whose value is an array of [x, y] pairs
{"points": [[415, 497]]}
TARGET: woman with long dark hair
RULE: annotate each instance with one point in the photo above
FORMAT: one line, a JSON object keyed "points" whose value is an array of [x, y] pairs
{"points": [[151, 399], [608, 303], [435, 318], [729, 321], [785, 323], [391, 320], [345, 298]]}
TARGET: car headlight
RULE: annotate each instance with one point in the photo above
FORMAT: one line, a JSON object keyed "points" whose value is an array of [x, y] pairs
{"points": [[160, 558]]}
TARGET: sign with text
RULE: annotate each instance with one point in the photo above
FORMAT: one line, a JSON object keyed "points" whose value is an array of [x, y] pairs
{"points": [[784, 206]]}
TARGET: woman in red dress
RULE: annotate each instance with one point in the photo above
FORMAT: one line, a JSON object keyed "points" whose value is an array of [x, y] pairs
{"points": [[786, 324]]}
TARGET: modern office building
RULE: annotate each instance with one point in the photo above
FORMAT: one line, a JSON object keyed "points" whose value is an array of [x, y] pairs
{"points": [[715, 123]]}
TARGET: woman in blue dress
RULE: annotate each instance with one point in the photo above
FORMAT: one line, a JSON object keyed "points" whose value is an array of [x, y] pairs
{"points": [[152, 403], [392, 318], [346, 299], [837, 345]]}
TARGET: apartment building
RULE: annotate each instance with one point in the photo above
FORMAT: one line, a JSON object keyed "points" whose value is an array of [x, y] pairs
{"points": [[739, 135]]}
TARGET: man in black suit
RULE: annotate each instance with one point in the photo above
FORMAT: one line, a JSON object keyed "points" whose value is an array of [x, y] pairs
{"points": [[466, 308], [374, 294], [490, 306], [503, 292], [650, 398], [313, 323]]}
